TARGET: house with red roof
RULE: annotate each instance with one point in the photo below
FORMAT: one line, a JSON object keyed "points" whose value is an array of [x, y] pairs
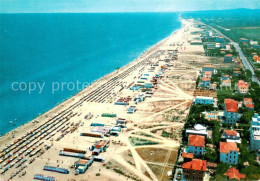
{"points": [[230, 111], [228, 58], [205, 82], [233, 173], [207, 74], [196, 144], [231, 136], [242, 87], [248, 102], [208, 67], [229, 152], [194, 170], [187, 156]]}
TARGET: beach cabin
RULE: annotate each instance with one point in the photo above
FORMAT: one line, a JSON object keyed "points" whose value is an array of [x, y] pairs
{"points": [[131, 109], [83, 164]]}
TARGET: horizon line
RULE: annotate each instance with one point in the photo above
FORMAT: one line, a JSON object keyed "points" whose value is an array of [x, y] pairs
{"points": [[57, 12]]}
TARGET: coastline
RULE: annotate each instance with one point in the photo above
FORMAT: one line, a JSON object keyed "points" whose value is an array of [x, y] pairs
{"points": [[70, 100], [166, 64]]}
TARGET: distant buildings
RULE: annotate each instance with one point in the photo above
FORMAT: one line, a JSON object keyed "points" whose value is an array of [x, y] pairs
{"points": [[204, 100], [229, 152], [255, 133], [233, 174], [243, 40], [228, 58], [196, 145], [226, 83], [220, 39], [231, 136], [195, 169], [210, 68], [230, 111], [242, 87]]}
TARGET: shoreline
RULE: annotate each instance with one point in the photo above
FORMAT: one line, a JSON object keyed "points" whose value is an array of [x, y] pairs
{"points": [[132, 150], [93, 85]]}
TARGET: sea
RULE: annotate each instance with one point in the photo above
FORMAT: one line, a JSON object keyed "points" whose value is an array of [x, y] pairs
{"points": [[47, 58]]}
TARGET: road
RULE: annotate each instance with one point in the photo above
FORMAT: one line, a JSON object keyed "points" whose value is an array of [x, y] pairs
{"points": [[242, 56]]}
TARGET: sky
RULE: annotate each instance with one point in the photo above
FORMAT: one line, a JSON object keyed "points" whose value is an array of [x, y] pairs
{"points": [[56, 6]]}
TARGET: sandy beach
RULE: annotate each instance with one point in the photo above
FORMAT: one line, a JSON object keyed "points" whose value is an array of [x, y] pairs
{"points": [[152, 125]]}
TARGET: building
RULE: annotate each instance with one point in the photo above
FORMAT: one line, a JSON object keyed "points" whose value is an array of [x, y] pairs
{"points": [[228, 58], [228, 47], [204, 100], [195, 169], [220, 39], [196, 144], [226, 83], [233, 174], [210, 68], [255, 133], [253, 42], [248, 102], [230, 111], [205, 82], [207, 74], [243, 40], [211, 115], [197, 130], [187, 156], [225, 77], [231, 136], [213, 86], [229, 152], [242, 87]]}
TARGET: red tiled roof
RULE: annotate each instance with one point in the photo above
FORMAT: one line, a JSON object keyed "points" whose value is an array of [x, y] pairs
{"points": [[249, 105], [242, 83], [226, 147], [227, 81], [230, 132], [205, 79], [229, 55], [231, 105], [195, 164], [233, 173], [248, 100], [196, 140], [207, 72], [187, 155], [236, 68], [209, 66], [237, 72]]}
